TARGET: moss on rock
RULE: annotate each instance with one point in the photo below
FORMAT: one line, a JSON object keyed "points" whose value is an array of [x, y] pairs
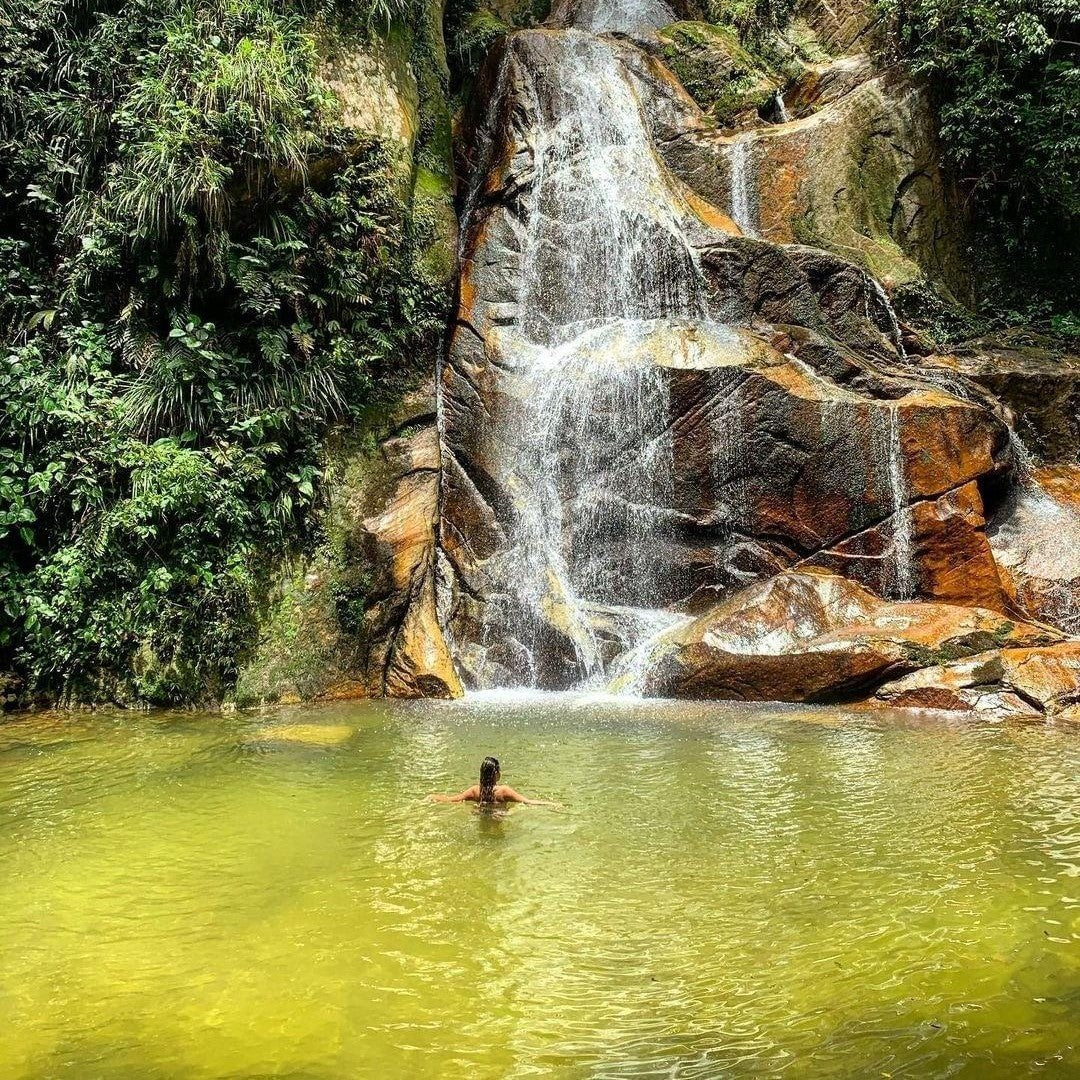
{"points": [[722, 76]]}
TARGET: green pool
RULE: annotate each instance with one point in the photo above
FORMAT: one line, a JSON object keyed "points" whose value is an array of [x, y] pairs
{"points": [[728, 892]]}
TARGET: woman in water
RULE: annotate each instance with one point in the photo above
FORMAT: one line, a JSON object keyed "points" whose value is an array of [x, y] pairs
{"points": [[489, 792]]}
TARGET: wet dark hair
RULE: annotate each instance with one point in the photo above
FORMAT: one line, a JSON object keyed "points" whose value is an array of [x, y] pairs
{"points": [[489, 774]]}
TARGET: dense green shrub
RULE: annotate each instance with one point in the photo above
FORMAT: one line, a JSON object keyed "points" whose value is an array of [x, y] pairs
{"points": [[1007, 87], [201, 270]]}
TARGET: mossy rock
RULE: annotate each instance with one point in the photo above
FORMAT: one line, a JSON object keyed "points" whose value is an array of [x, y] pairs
{"points": [[435, 228], [721, 75]]}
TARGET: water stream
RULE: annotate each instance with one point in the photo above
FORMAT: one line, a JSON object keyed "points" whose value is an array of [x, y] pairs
{"points": [[743, 184]]}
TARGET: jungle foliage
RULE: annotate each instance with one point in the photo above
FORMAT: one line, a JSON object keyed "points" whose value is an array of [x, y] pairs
{"points": [[1007, 87], [202, 270]]}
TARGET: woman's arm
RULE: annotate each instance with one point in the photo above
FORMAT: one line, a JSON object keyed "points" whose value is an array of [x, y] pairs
{"points": [[469, 795], [510, 795]]}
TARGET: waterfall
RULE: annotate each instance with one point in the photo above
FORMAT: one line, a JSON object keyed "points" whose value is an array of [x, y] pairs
{"points": [[629, 17], [569, 391], [781, 108], [900, 581], [743, 185], [605, 238], [608, 277]]}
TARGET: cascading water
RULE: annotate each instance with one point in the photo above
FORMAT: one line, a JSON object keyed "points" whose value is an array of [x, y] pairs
{"points": [[607, 272], [743, 185], [902, 577], [874, 286]]}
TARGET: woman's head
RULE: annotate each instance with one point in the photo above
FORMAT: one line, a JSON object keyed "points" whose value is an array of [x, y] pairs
{"points": [[489, 777]]}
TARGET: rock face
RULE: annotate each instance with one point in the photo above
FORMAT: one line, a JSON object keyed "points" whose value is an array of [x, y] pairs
{"points": [[681, 448], [643, 410], [812, 636]]}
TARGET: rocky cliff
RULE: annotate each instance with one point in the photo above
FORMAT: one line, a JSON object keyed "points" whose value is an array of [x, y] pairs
{"points": [[684, 446]]}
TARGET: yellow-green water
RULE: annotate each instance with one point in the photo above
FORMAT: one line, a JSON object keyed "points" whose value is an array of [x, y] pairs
{"points": [[727, 892]]}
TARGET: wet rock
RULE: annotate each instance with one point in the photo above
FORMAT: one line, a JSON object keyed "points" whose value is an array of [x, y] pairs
{"points": [[1023, 683], [951, 558], [1036, 544], [1035, 379], [812, 636]]}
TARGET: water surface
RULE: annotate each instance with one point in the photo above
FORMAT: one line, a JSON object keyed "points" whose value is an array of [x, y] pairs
{"points": [[728, 892]]}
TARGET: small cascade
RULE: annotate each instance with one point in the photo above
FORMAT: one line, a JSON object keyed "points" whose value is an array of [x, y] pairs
{"points": [[726, 430], [901, 580], [781, 108], [875, 286], [743, 184], [629, 674]]}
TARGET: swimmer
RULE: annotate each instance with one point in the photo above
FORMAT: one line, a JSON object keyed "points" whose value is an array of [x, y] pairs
{"points": [[489, 792]]}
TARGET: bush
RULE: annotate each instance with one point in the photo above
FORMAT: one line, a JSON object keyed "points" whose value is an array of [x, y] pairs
{"points": [[1007, 87]]}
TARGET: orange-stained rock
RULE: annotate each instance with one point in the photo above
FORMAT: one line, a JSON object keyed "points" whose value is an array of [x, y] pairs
{"points": [[812, 636], [1036, 543], [952, 559], [1032, 682], [408, 655]]}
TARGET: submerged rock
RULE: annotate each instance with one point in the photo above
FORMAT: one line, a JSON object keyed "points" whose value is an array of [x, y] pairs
{"points": [[807, 635], [305, 734]]}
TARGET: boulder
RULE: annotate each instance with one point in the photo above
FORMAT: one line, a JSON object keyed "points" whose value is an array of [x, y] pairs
{"points": [[856, 174], [811, 636], [821, 84], [1036, 544], [1023, 683]]}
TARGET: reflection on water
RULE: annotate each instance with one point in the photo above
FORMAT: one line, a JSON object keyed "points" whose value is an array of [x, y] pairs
{"points": [[728, 892]]}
